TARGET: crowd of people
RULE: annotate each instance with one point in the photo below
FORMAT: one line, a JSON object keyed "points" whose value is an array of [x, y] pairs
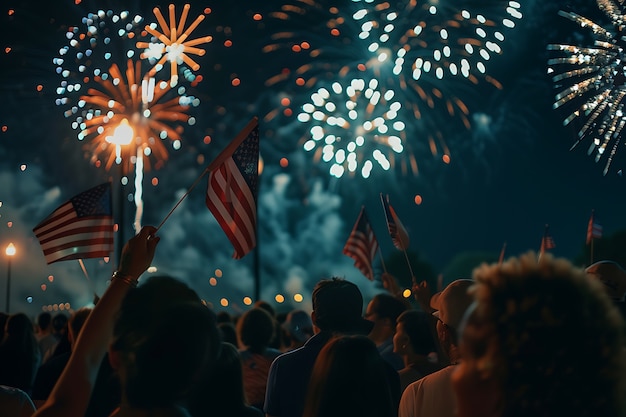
{"points": [[530, 336]]}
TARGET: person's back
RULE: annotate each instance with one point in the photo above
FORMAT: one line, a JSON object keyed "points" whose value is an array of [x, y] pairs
{"points": [[220, 391], [337, 309], [255, 331], [349, 378], [433, 395]]}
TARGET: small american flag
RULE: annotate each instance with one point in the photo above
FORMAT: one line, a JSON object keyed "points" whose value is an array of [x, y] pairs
{"points": [[594, 229], [232, 192], [362, 245], [547, 242], [80, 228], [398, 233]]}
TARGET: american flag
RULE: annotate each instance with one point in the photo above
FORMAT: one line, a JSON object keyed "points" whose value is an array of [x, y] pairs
{"points": [[594, 229], [232, 192], [362, 245], [398, 233], [547, 242], [80, 228]]}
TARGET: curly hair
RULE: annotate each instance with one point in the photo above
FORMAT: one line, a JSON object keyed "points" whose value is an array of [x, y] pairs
{"points": [[550, 336]]}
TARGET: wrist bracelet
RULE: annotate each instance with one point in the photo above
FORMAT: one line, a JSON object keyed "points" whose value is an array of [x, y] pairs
{"points": [[124, 278]]}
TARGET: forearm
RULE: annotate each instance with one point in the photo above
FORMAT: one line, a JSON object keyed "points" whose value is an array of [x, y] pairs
{"points": [[72, 391]]}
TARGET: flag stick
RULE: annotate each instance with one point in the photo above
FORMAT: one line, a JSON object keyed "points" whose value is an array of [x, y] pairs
{"points": [[216, 162], [414, 282], [501, 259], [591, 251], [382, 261], [82, 266]]}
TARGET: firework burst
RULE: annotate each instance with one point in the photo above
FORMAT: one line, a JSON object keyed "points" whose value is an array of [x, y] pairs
{"points": [[172, 43], [591, 82], [416, 52]]}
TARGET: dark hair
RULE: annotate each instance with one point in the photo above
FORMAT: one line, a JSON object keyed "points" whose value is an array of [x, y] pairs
{"points": [[220, 392], [228, 332], [77, 320], [386, 306], [420, 330], [255, 329], [43, 320], [59, 321], [349, 378], [338, 306], [166, 338]]}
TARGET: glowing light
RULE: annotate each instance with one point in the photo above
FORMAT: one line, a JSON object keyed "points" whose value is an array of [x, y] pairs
{"points": [[247, 301], [298, 298], [279, 298], [590, 83], [10, 250], [406, 293], [172, 43], [224, 302]]}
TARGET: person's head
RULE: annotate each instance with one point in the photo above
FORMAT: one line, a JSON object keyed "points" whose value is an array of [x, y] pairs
{"points": [[228, 332], [75, 323], [613, 277], [220, 392], [59, 323], [255, 330], [541, 339], [450, 305], [19, 328], [349, 378], [383, 310], [338, 307], [414, 334], [298, 326], [163, 339], [43, 321]]}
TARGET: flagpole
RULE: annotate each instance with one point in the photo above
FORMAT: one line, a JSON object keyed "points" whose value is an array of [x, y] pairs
{"points": [[501, 259], [591, 251], [215, 163], [382, 260], [406, 256]]}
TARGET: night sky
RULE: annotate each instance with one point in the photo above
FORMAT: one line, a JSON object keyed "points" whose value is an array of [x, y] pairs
{"points": [[511, 173]]}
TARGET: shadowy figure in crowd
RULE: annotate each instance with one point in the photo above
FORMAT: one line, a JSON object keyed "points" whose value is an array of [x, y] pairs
{"points": [[433, 395], [19, 354], [228, 332], [161, 338], [349, 379], [383, 310], [45, 336], [337, 310], [276, 341], [59, 331], [220, 392], [49, 372], [541, 339], [255, 331], [15, 403], [415, 342], [3, 321], [298, 329]]}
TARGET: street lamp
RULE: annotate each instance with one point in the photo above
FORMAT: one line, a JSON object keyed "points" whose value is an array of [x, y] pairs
{"points": [[10, 252]]}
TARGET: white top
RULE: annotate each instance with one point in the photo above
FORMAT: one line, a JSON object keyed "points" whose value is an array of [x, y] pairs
{"points": [[431, 396]]}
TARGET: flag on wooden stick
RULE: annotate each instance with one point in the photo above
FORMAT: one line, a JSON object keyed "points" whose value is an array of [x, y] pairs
{"points": [[594, 229], [398, 233], [232, 190], [362, 245], [80, 228], [547, 242]]}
